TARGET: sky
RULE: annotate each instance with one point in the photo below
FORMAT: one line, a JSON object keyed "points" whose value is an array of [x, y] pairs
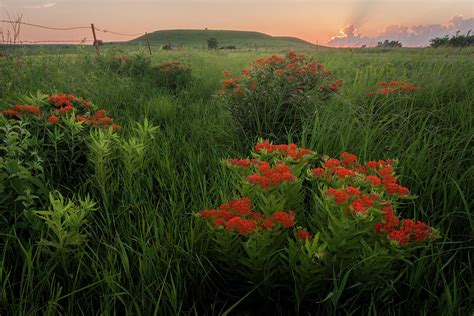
{"points": [[326, 22]]}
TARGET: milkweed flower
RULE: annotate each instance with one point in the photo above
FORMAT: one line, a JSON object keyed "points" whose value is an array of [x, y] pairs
{"points": [[303, 234], [53, 119]]}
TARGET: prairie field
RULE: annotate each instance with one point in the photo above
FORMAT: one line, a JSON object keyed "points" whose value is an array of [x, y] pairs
{"points": [[106, 221]]}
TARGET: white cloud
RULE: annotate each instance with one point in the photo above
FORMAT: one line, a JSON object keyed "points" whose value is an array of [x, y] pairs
{"points": [[27, 4], [417, 35]]}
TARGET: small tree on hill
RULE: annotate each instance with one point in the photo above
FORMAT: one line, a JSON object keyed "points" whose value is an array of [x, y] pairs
{"points": [[212, 43]]}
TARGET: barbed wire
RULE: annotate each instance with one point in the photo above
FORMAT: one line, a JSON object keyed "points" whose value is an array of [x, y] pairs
{"points": [[55, 41], [48, 27], [68, 28], [116, 33]]}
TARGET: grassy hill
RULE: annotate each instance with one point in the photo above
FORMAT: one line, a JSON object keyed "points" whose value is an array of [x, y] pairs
{"points": [[239, 39]]}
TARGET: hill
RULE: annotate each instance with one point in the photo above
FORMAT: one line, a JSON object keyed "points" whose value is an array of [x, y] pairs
{"points": [[239, 39]]}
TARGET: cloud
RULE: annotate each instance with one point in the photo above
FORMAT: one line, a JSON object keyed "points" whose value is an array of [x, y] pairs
{"points": [[29, 4], [417, 35], [40, 6]]}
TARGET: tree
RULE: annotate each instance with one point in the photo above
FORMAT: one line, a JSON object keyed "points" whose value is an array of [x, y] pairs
{"points": [[453, 41], [389, 44], [212, 43]]}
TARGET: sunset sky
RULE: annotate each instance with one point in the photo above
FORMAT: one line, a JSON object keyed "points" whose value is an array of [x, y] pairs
{"points": [[363, 21]]}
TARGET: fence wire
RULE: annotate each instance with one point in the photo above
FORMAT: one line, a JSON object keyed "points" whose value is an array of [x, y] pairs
{"points": [[85, 40]]}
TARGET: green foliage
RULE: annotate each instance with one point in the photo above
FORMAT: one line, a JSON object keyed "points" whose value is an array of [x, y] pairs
{"points": [[64, 222], [119, 167], [171, 75], [357, 235], [22, 177], [389, 44], [212, 43], [135, 65], [146, 254], [277, 96], [458, 40], [60, 125]]}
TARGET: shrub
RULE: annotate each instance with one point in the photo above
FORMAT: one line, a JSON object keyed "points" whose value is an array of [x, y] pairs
{"points": [[212, 43], [276, 95], [171, 75], [353, 230], [60, 125], [124, 64], [458, 40]]}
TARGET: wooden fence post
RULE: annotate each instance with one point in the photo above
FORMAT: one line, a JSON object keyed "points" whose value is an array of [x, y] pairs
{"points": [[148, 42], [96, 43]]}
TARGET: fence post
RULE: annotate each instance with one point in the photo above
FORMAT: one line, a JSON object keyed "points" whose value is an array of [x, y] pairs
{"points": [[148, 42], [96, 43]]}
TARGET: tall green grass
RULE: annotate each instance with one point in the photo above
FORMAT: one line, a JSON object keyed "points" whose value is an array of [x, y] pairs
{"points": [[146, 254]]}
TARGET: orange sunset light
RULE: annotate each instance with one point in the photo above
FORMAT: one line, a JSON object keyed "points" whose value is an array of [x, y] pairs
{"points": [[341, 23]]}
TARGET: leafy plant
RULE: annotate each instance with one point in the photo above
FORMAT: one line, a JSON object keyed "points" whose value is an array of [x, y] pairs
{"points": [[276, 96], [212, 43], [125, 64], [61, 125], [171, 75], [359, 233], [65, 222], [22, 178]]}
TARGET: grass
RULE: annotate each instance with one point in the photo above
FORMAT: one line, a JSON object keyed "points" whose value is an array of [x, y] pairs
{"points": [[147, 255]]}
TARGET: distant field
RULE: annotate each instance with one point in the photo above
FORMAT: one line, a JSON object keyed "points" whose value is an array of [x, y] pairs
{"points": [[184, 40], [147, 254]]}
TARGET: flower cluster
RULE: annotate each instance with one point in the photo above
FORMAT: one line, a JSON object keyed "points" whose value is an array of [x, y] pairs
{"points": [[68, 101], [237, 216], [17, 111], [57, 107], [367, 189], [294, 68], [354, 207], [268, 177], [98, 119], [291, 151], [394, 87], [378, 175]]}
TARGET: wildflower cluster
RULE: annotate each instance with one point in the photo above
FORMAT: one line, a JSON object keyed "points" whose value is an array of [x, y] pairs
{"points": [[276, 94], [267, 182], [403, 231], [267, 177], [60, 106], [377, 175], [237, 216], [293, 68], [98, 119], [273, 165], [369, 191], [352, 204], [291, 151], [394, 87]]}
